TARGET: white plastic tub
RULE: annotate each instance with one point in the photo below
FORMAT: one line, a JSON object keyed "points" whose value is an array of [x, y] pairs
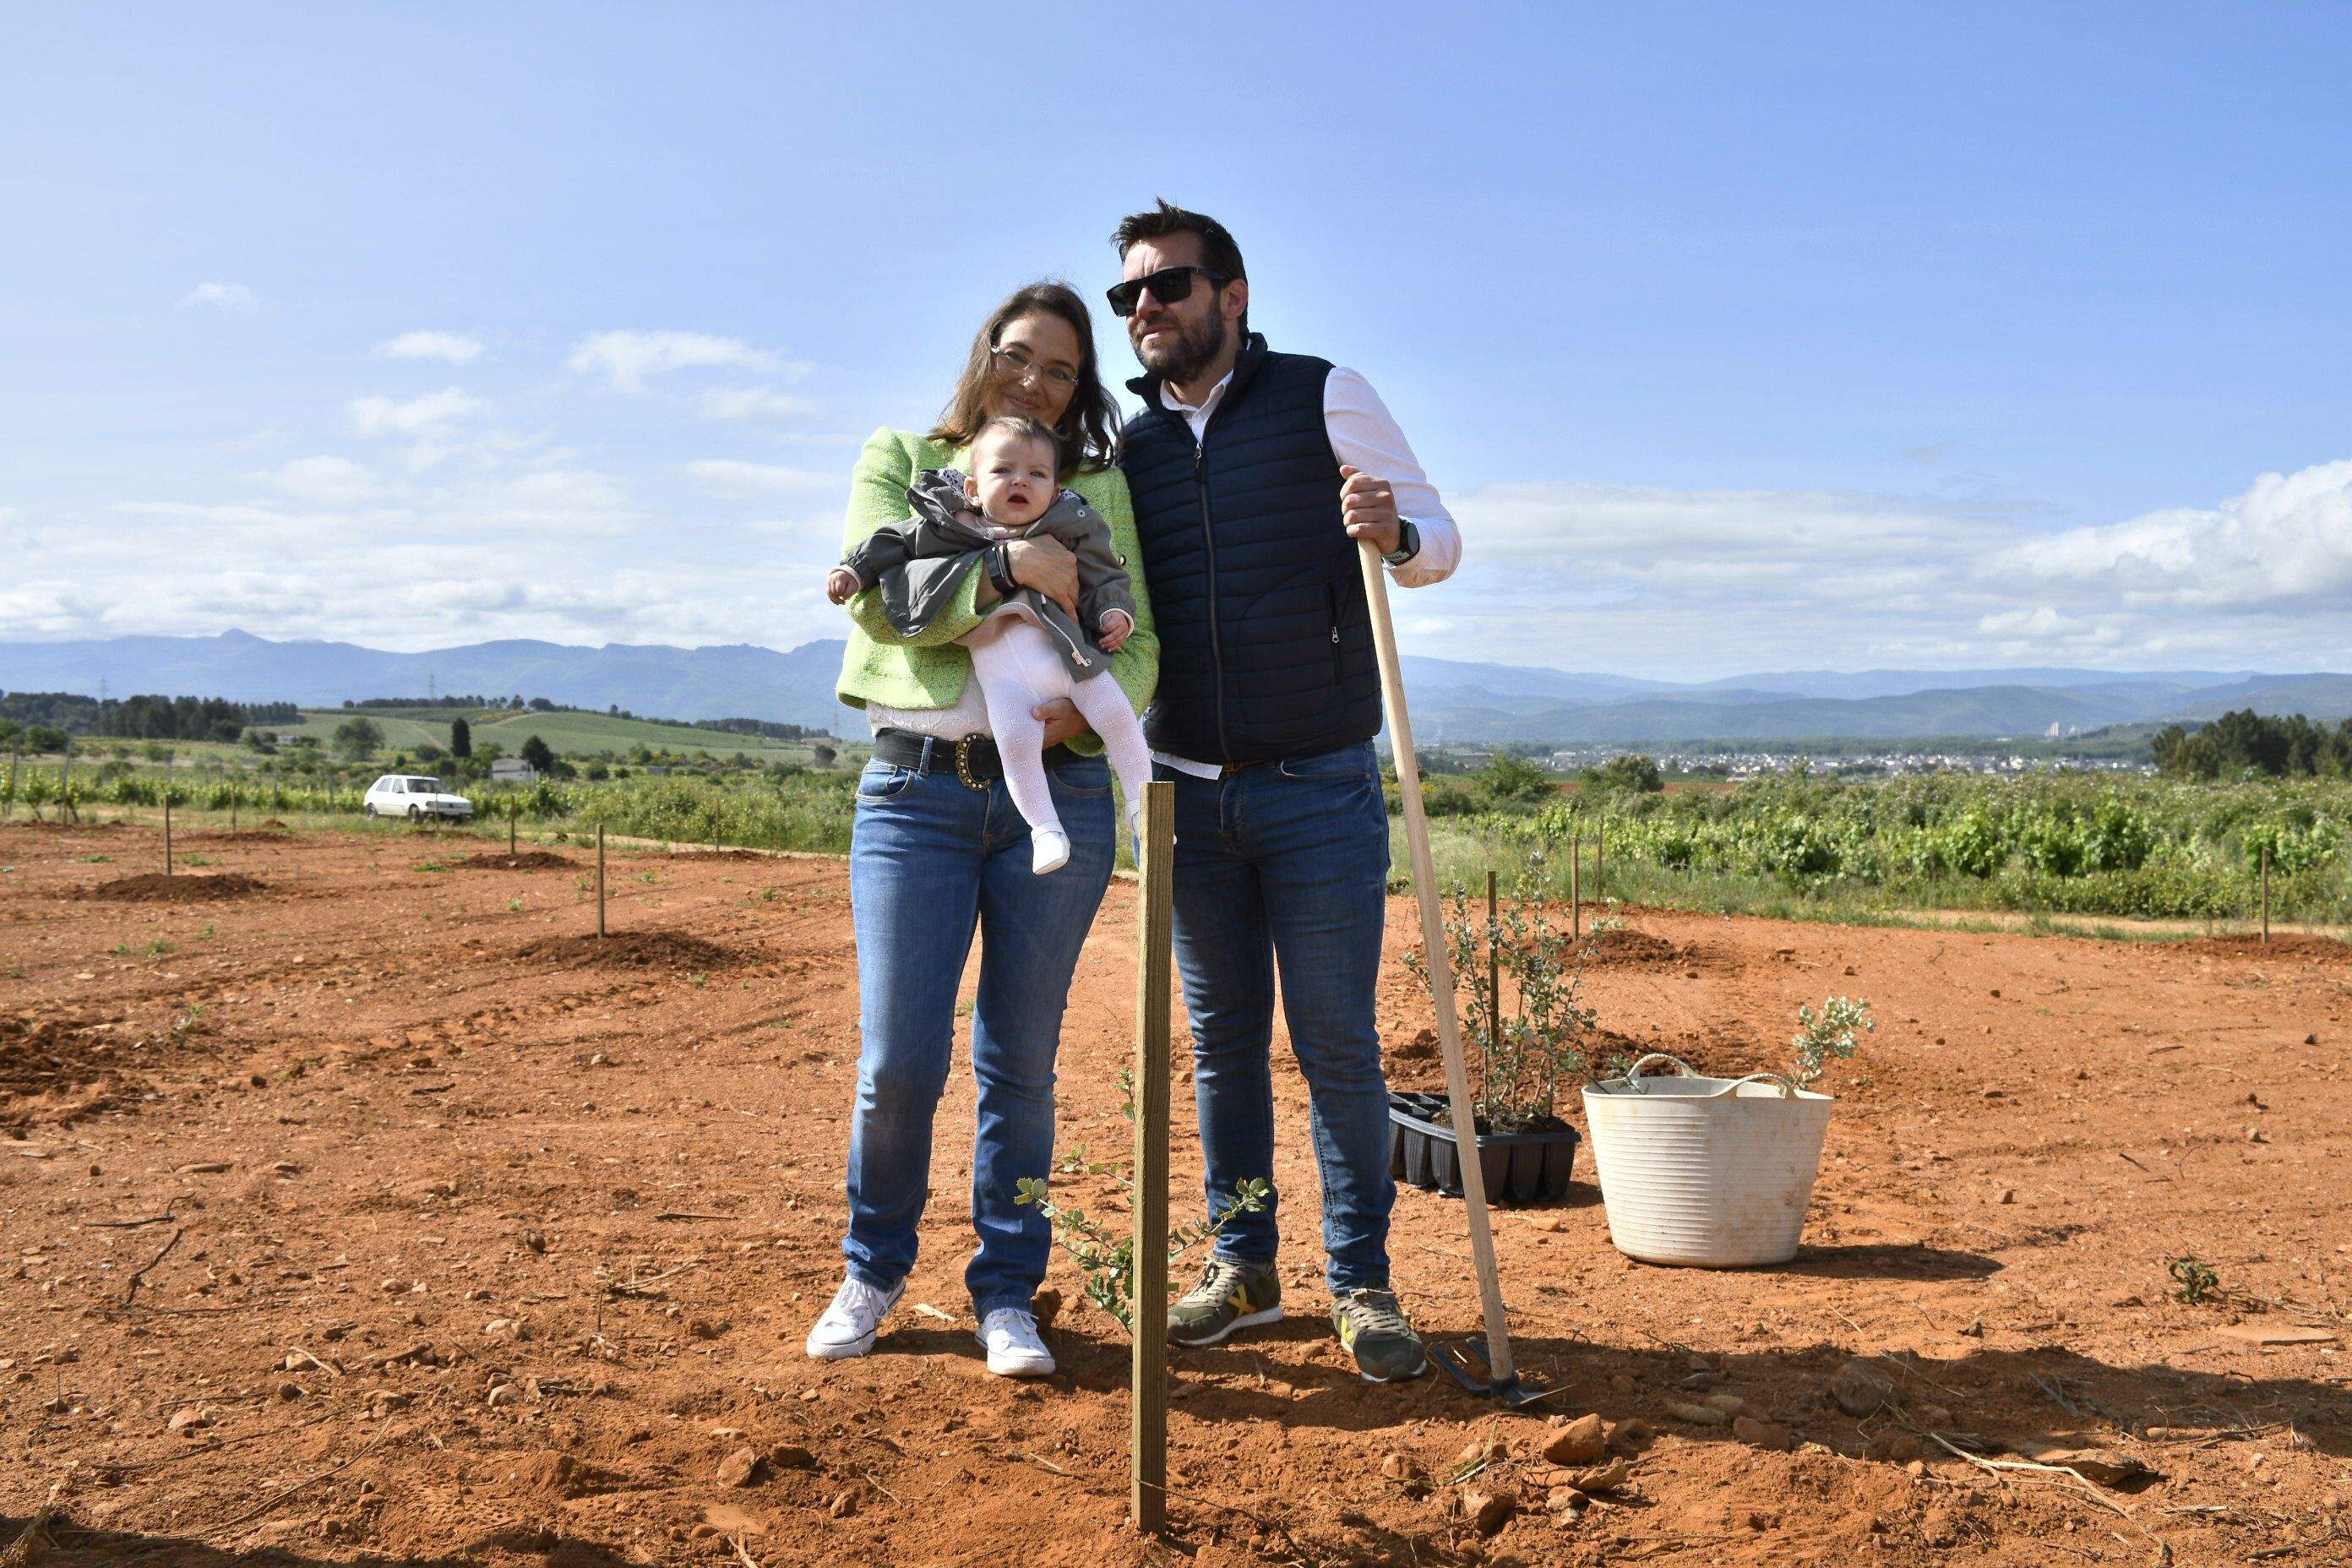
{"points": [[1714, 1172]]}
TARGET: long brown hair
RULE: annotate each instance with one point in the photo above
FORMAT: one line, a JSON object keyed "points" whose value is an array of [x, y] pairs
{"points": [[1086, 428]]}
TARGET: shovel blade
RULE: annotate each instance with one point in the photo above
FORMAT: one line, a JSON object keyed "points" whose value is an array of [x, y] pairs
{"points": [[1467, 1364]]}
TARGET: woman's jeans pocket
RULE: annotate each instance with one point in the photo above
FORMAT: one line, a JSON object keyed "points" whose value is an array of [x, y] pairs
{"points": [[882, 780]]}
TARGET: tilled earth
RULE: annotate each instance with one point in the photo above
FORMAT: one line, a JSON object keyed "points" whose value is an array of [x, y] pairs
{"points": [[373, 1214]]}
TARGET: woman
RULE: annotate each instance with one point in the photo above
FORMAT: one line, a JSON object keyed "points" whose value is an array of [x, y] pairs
{"points": [[937, 846]]}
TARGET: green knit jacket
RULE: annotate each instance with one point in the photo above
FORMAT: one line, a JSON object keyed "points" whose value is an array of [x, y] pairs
{"points": [[928, 669]]}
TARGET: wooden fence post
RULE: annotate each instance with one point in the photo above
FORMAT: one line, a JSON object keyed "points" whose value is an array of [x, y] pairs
{"points": [[1147, 1380], [599, 881]]}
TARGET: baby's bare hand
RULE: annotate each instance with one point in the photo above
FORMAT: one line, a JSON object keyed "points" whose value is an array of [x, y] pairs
{"points": [[1117, 625], [840, 583]]}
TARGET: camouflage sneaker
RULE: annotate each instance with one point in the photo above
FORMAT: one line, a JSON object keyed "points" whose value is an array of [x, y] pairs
{"points": [[1373, 1329], [1230, 1296]]}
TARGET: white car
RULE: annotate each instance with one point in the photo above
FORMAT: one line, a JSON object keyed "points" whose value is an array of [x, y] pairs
{"points": [[405, 794]]}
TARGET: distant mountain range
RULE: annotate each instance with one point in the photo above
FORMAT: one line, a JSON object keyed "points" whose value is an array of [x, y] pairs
{"points": [[1452, 701]]}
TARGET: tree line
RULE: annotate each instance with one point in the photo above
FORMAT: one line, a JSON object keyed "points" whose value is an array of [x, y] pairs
{"points": [[143, 716], [2246, 742]]}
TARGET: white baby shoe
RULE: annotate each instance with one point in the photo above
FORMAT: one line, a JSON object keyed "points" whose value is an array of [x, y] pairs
{"points": [[1049, 850]]}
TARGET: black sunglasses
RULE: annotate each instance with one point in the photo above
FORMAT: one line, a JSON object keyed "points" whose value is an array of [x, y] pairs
{"points": [[1170, 285]]}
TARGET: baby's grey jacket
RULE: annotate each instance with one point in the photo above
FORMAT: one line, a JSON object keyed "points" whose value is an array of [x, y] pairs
{"points": [[920, 563]]}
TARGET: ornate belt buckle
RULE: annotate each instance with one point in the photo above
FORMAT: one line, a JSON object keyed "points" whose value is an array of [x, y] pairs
{"points": [[964, 765]]}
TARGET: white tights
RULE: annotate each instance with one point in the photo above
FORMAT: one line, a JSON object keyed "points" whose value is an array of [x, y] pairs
{"points": [[1018, 669]]}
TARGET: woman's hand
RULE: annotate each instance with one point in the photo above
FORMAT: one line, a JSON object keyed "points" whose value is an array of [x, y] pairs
{"points": [[1062, 721], [1046, 566]]}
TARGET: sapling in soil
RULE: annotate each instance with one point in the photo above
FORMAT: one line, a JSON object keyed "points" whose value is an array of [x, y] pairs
{"points": [[1829, 1033], [1107, 1260]]}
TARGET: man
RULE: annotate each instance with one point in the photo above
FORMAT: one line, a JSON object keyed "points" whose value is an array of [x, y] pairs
{"points": [[1254, 475]]}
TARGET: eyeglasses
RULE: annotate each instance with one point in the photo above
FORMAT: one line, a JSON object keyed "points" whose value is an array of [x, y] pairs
{"points": [[1014, 362], [1170, 285]]}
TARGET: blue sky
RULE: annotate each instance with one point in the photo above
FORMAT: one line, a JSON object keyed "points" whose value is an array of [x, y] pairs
{"points": [[1739, 337]]}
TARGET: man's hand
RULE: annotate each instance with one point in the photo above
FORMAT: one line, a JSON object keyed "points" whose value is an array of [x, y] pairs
{"points": [[1368, 506], [840, 583], [1047, 565], [1117, 627], [1061, 719]]}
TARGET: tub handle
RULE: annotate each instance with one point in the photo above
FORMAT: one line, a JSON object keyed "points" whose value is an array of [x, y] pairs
{"points": [[1681, 1069], [1633, 1073], [1788, 1088]]}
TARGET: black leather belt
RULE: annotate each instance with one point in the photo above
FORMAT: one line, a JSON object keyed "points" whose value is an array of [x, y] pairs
{"points": [[973, 758]]}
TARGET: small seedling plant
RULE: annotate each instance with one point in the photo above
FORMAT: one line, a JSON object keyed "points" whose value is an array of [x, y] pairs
{"points": [[1107, 1260], [1832, 1032], [2193, 1278], [1519, 983]]}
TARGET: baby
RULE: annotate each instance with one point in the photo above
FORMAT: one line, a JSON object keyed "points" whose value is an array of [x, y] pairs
{"points": [[1029, 651]]}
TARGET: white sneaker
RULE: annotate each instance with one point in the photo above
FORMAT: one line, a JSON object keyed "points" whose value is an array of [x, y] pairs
{"points": [[1010, 1337], [848, 1326], [1049, 850]]}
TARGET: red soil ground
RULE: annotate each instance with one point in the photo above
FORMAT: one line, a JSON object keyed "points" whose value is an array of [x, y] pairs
{"points": [[446, 1236]]}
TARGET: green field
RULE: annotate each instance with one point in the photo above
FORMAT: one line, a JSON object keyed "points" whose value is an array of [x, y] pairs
{"points": [[568, 734]]}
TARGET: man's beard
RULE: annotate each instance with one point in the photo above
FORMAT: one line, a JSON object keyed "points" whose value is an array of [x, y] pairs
{"points": [[1193, 353]]}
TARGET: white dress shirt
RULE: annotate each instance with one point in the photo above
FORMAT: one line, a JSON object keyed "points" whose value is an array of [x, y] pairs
{"points": [[1364, 436]]}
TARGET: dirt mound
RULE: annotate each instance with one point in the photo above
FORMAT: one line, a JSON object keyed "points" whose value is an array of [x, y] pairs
{"points": [[1625, 944], [56, 1069], [274, 825], [633, 950], [2283, 944], [156, 888], [528, 860], [243, 836], [720, 854]]}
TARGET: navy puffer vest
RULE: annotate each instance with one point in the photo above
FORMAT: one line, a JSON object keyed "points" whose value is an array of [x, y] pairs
{"points": [[1266, 644]]}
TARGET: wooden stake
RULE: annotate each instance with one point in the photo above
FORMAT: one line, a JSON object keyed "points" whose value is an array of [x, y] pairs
{"points": [[1441, 966], [514, 815], [1601, 857], [1575, 892], [1494, 997], [599, 881], [1148, 1431], [2266, 895], [167, 830]]}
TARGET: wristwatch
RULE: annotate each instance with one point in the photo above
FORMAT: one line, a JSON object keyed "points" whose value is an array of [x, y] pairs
{"points": [[1408, 544], [1000, 571]]}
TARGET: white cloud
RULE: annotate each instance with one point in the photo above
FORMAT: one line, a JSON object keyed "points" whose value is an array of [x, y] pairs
{"points": [[224, 295], [2287, 540], [418, 416], [625, 359], [326, 479], [457, 347], [763, 405], [728, 477], [2041, 621]]}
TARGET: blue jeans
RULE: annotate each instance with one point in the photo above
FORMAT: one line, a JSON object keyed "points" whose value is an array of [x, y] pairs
{"points": [[1284, 866], [929, 859]]}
